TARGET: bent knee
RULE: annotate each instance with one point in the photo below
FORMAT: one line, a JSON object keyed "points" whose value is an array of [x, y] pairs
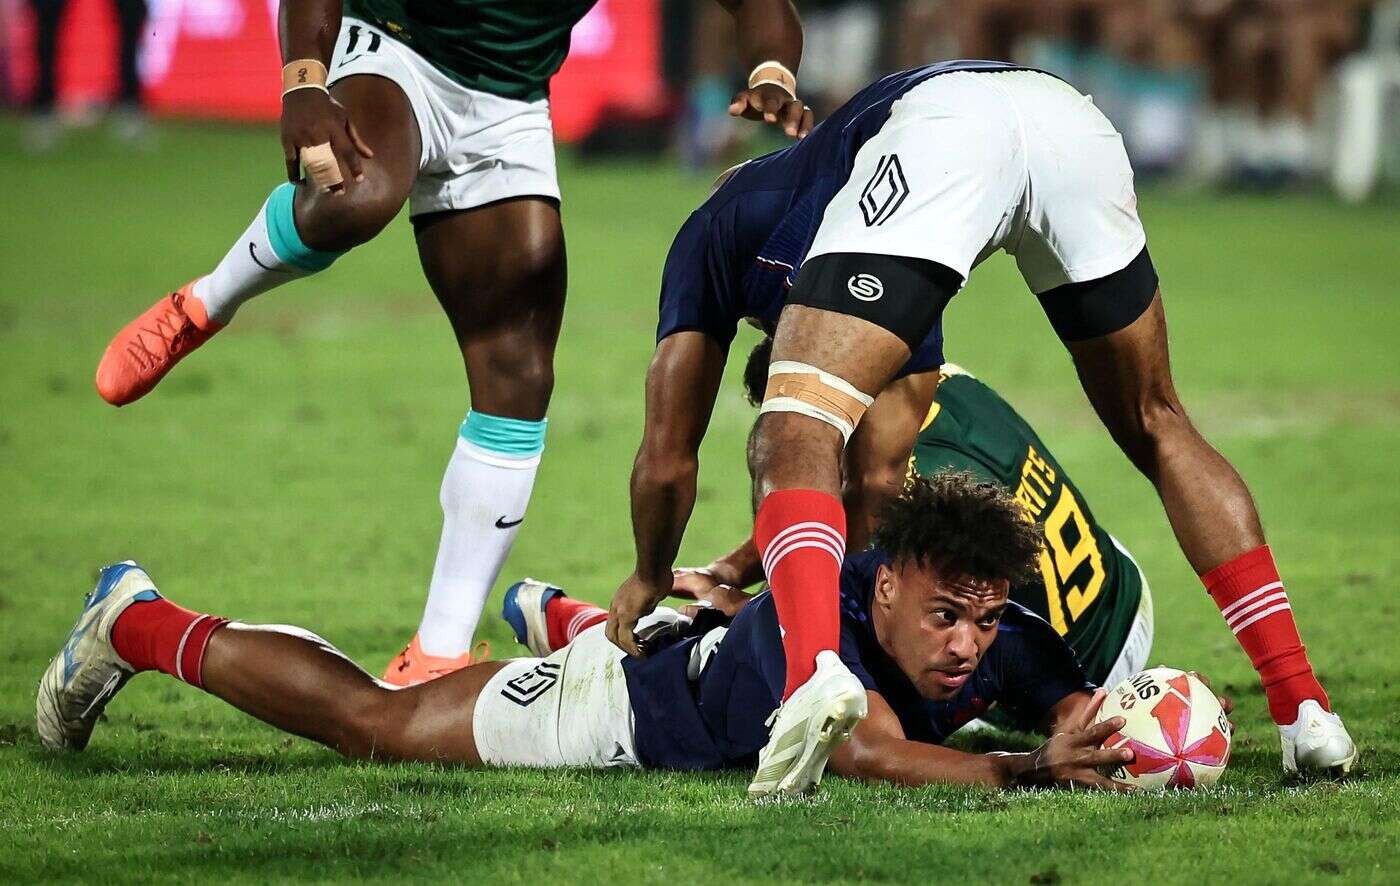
{"points": [[337, 222]]}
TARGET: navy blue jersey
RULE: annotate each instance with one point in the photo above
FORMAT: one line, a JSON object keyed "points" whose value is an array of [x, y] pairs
{"points": [[718, 720], [736, 257]]}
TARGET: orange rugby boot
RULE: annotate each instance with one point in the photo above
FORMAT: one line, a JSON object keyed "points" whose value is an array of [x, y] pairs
{"points": [[150, 346], [414, 666]]}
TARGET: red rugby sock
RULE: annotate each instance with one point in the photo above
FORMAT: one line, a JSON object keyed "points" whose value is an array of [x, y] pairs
{"points": [[1250, 595], [157, 635], [801, 535], [567, 618]]}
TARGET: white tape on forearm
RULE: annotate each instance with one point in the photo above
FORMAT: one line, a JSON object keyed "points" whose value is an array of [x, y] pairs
{"points": [[321, 166]]}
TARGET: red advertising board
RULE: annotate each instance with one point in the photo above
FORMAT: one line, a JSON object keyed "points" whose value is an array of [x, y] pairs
{"points": [[219, 58]]}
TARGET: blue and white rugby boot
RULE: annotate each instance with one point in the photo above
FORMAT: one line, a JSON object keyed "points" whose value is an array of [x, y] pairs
{"points": [[523, 610], [87, 671], [1317, 743], [811, 724]]}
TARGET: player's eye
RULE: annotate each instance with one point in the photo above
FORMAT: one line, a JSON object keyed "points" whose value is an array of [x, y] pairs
{"points": [[945, 616]]}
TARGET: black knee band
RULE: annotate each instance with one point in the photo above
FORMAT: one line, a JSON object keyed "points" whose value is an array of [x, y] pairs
{"points": [[1094, 308], [903, 295]]}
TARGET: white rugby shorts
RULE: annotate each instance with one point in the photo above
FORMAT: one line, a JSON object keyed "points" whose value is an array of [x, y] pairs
{"points": [[477, 147], [570, 709], [1137, 646], [1013, 160]]}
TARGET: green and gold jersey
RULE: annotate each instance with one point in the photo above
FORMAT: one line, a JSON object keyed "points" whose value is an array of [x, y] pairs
{"points": [[508, 48], [1088, 589]]}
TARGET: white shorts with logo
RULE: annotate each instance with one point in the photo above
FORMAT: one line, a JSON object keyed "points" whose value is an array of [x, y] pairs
{"points": [[570, 709], [477, 147], [1013, 160]]}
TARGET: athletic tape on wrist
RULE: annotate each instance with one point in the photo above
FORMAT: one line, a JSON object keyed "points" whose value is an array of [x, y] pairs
{"points": [[303, 73], [807, 390], [775, 73]]}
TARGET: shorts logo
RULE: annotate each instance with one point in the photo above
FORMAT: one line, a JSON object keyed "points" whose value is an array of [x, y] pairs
{"points": [[524, 689], [885, 191], [865, 287]]}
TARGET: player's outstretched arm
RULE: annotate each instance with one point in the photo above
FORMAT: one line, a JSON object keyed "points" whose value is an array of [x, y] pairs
{"points": [[879, 751], [307, 30], [682, 384], [769, 31]]}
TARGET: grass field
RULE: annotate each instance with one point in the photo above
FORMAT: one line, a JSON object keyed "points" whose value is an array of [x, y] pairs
{"points": [[289, 473]]}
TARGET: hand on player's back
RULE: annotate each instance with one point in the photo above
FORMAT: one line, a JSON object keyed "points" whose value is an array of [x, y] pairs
{"points": [[312, 117], [772, 104], [1074, 755]]}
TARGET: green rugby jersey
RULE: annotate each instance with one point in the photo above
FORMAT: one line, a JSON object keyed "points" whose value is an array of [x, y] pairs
{"points": [[508, 48], [1089, 590]]}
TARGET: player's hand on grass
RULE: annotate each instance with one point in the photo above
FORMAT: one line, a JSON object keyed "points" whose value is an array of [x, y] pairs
{"points": [[1075, 756], [312, 117], [635, 599], [772, 104]]}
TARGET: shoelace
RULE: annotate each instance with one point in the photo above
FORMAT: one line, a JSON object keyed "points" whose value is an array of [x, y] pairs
{"points": [[173, 328]]}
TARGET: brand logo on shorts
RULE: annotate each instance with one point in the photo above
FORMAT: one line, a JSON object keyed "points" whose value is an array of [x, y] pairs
{"points": [[865, 287], [885, 191], [524, 689]]}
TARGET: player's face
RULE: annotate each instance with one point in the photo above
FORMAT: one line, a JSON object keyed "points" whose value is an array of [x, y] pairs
{"points": [[936, 627]]}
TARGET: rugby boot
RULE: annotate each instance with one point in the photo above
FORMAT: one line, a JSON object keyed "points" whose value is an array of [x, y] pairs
{"points": [[1317, 743], [807, 727], [524, 610], [413, 666], [87, 671], [148, 347]]}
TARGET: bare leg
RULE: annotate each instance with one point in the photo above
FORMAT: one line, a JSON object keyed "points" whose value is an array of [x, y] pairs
{"points": [[791, 451], [299, 683], [499, 273], [1127, 376]]}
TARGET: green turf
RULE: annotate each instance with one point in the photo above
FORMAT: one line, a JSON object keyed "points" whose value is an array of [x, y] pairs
{"points": [[289, 473]]}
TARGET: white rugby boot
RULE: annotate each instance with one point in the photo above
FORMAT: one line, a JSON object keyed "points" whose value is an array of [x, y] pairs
{"points": [[807, 727], [1317, 743], [524, 610], [87, 671]]}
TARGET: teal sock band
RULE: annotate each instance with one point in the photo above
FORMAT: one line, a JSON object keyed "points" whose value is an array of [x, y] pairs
{"points": [[282, 232], [512, 437]]}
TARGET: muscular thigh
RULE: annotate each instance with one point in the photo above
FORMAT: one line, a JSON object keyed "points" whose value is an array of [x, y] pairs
{"points": [[383, 117], [436, 717]]}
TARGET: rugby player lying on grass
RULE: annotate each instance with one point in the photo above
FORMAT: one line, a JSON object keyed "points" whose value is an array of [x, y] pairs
{"points": [[1087, 585], [847, 247], [926, 627]]}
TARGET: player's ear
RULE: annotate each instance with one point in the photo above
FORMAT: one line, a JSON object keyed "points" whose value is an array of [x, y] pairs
{"points": [[884, 586]]}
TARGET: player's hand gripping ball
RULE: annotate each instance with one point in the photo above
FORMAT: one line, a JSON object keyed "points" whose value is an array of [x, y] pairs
{"points": [[1176, 728]]}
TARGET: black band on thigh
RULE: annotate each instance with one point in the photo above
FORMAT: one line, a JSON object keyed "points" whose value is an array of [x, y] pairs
{"points": [[903, 295], [1094, 308]]}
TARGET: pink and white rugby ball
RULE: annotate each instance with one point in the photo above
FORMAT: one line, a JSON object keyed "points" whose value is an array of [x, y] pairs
{"points": [[1176, 729]]}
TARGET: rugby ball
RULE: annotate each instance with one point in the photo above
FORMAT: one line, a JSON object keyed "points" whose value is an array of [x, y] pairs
{"points": [[1176, 729]]}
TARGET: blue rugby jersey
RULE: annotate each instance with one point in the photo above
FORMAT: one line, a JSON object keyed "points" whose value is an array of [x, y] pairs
{"points": [[717, 720], [736, 257]]}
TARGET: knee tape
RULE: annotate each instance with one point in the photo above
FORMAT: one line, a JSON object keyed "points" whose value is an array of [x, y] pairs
{"points": [[806, 390]]}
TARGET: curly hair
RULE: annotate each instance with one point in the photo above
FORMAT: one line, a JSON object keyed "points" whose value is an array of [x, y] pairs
{"points": [[756, 371], [959, 524]]}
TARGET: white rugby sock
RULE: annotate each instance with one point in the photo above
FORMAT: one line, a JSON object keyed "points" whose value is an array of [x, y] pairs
{"points": [[269, 253], [484, 494]]}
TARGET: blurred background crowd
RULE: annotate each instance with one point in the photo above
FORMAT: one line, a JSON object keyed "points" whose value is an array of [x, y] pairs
{"points": [[1258, 94]]}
